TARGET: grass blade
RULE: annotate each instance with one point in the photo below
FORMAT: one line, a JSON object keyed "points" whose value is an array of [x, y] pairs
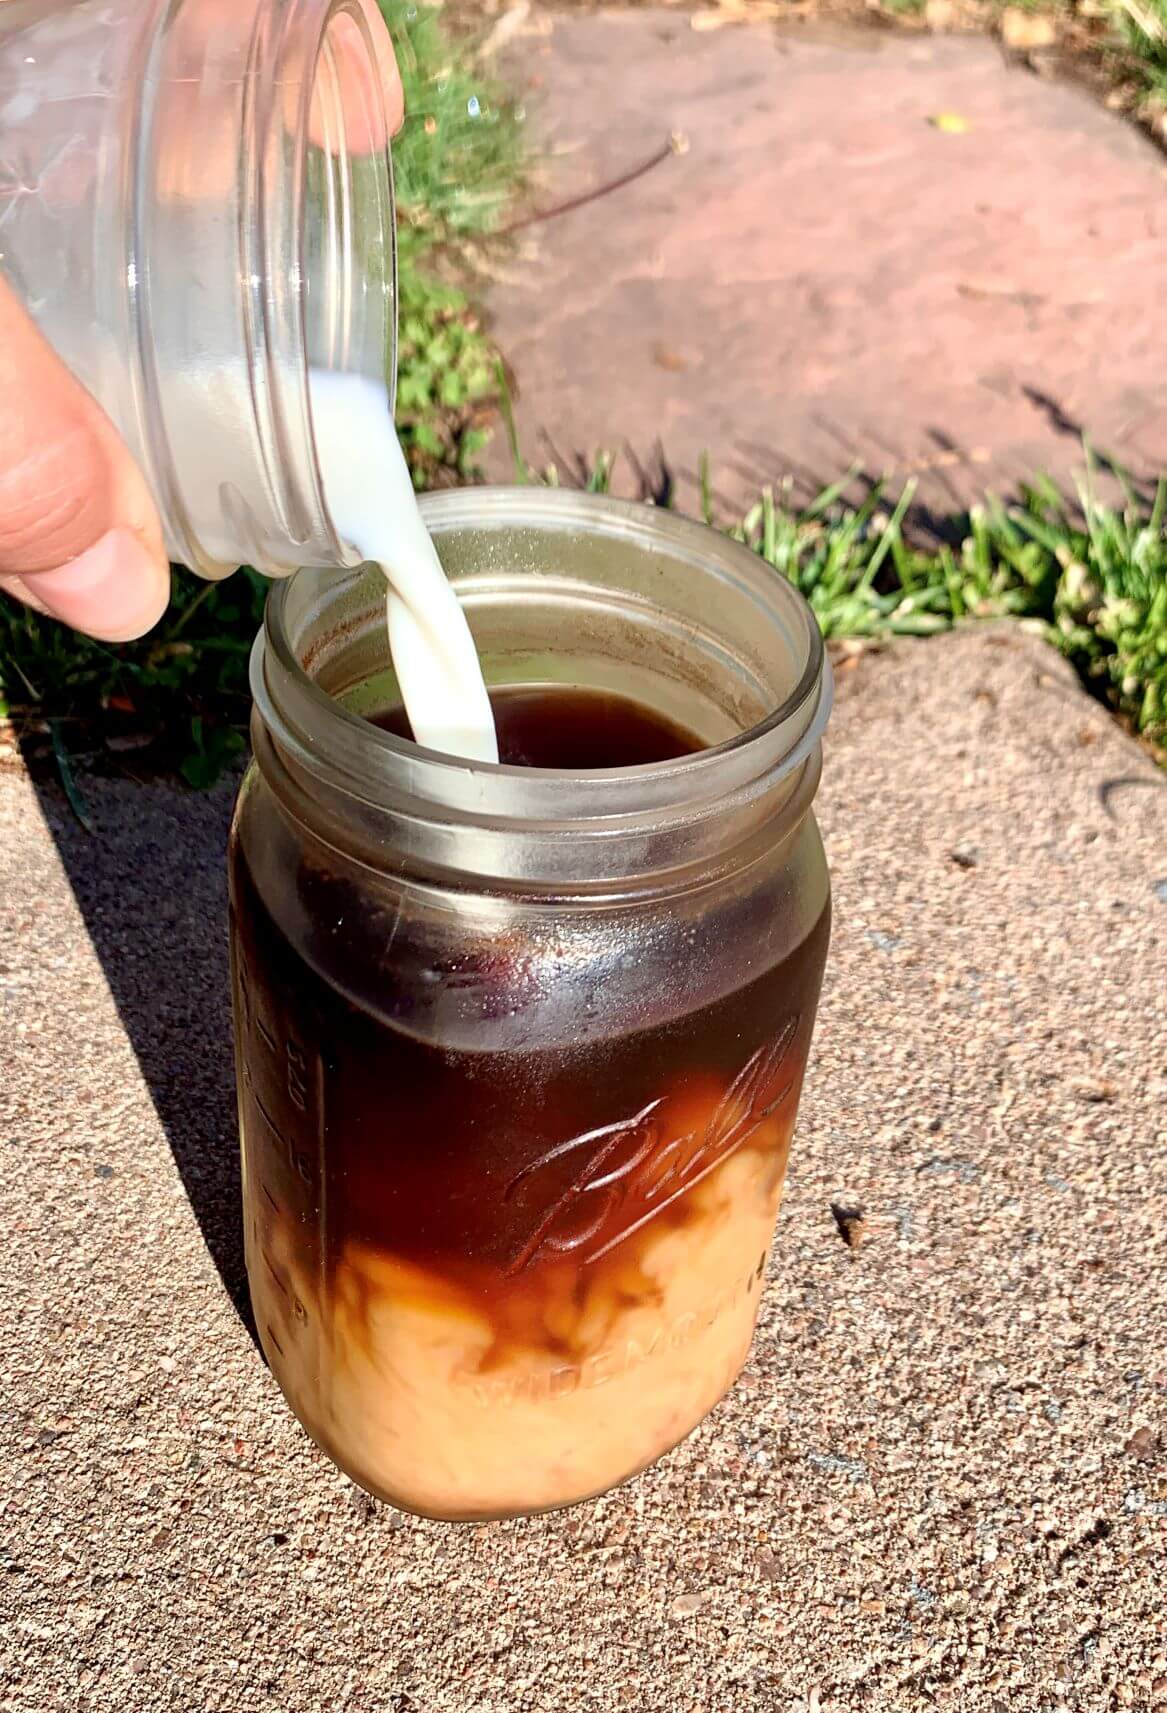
{"points": [[522, 468], [68, 780]]}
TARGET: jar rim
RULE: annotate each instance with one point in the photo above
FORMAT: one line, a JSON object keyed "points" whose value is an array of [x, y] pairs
{"points": [[336, 737]]}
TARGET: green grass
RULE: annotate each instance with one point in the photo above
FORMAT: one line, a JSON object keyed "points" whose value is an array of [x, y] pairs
{"points": [[176, 699], [1142, 27], [457, 164], [1092, 577], [456, 159], [446, 378]]}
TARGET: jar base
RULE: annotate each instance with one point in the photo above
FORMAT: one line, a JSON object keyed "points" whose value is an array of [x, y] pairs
{"points": [[514, 1514], [403, 1380]]}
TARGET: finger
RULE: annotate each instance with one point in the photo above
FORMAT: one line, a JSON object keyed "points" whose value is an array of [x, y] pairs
{"points": [[79, 533], [367, 89], [394, 97]]}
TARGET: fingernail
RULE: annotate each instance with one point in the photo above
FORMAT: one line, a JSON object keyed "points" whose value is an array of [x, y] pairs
{"points": [[115, 591]]}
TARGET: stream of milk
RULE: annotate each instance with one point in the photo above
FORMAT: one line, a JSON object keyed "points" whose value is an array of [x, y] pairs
{"points": [[372, 503]]}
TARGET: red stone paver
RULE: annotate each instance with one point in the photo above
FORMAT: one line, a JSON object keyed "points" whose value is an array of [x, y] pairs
{"points": [[826, 274]]}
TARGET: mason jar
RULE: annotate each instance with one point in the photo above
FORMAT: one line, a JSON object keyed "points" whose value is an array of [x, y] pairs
{"points": [[196, 208], [520, 1050]]}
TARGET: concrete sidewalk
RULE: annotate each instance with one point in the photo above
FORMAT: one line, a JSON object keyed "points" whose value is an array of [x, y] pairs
{"points": [[943, 1480]]}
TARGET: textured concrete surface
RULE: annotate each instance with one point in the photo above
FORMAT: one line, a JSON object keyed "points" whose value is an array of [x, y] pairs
{"points": [[826, 275], [943, 1480]]}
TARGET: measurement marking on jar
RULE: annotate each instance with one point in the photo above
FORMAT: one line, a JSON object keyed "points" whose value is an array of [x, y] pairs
{"points": [[295, 1156], [659, 1169], [297, 1075], [275, 1275]]}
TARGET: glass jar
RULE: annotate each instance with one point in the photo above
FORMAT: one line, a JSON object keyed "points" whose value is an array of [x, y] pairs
{"points": [[195, 206], [519, 1051]]}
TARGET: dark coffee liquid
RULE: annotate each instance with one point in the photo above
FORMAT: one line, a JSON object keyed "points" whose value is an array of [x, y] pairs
{"points": [[562, 726], [528, 1164]]}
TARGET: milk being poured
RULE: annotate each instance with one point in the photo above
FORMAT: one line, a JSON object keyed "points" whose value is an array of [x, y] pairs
{"points": [[371, 499]]}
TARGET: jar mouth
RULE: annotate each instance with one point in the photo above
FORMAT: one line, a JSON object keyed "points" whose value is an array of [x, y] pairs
{"points": [[803, 708], [593, 592]]}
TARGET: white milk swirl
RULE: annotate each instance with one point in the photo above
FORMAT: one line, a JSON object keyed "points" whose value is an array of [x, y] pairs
{"points": [[373, 506]]}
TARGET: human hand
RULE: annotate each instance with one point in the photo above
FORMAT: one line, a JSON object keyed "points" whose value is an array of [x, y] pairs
{"points": [[80, 535]]}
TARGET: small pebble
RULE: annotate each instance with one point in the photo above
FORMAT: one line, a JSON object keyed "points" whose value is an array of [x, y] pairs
{"points": [[851, 1225], [1142, 1444], [687, 1605]]}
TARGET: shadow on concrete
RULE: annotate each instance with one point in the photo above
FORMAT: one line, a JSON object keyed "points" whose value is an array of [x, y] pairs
{"points": [[149, 877], [946, 476]]}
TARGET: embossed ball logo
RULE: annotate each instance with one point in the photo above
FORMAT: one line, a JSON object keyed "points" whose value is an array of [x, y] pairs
{"points": [[621, 1175]]}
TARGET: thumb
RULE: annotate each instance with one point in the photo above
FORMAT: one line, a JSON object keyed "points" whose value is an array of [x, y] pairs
{"points": [[79, 535]]}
